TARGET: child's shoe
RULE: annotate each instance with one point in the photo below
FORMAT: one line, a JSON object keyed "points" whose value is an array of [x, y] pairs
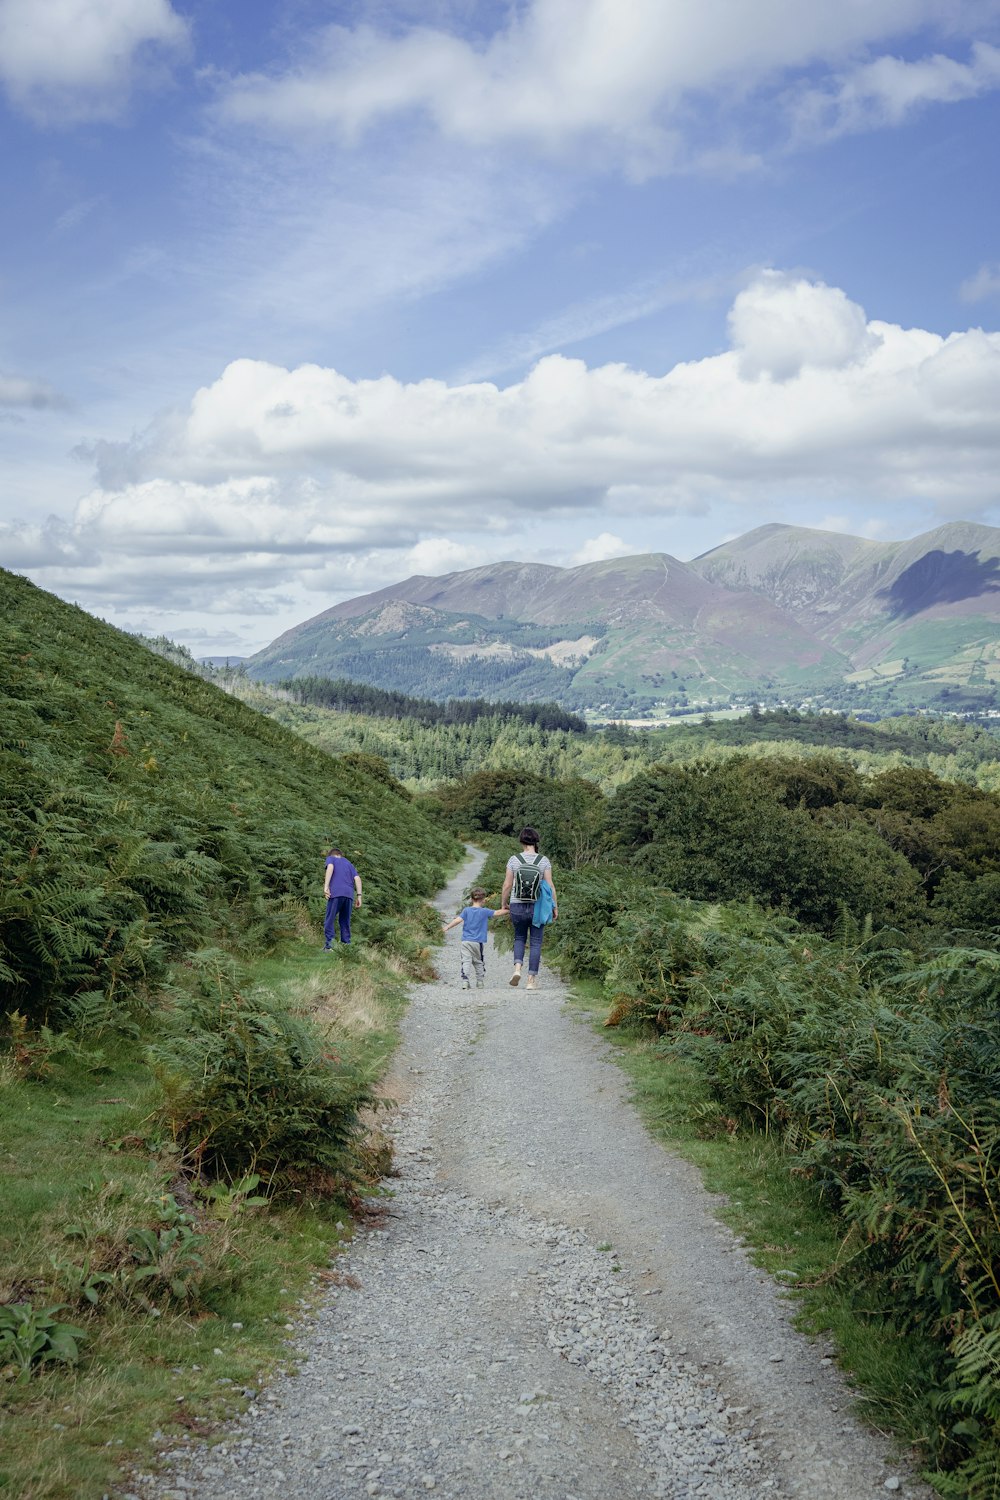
{"points": [[466, 985], [480, 984]]}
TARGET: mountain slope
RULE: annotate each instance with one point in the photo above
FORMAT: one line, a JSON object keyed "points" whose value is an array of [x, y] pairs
{"points": [[780, 611], [830, 582], [798, 569], [927, 608], [612, 632]]}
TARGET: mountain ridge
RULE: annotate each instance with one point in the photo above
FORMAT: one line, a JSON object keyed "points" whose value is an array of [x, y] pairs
{"points": [[780, 610]]}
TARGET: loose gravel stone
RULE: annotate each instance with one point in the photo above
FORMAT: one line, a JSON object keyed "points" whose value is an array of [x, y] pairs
{"points": [[550, 1310]]}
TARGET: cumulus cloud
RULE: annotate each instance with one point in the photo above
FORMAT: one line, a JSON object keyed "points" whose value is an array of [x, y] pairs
{"points": [[436, 555], [780, 325], [983, 285], [274, 478], [559, 70], [67, 60], [600, 549]]}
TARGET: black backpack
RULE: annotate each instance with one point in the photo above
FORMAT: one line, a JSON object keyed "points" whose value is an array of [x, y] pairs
{"points": [[527, 878]]}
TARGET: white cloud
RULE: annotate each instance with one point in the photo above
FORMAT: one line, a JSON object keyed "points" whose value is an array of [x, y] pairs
{"points": [[562, 70], [68, 60], [600, 549], [780, 325], [437, 555], [305, 479], [887, 90], [983, 285]]}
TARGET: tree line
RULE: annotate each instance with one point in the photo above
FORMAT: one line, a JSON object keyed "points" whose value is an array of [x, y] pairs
{"points": [[348, 696]]}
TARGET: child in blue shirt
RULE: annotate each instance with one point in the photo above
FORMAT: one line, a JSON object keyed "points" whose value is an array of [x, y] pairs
{"points": [[475, 920]]}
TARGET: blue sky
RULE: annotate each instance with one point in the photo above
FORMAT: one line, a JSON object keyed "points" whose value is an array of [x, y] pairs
{"points": [[299, 299]]}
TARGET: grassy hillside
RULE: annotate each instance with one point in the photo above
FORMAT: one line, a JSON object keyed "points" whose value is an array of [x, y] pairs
{"points": [[144, 809], [184, 1074]]}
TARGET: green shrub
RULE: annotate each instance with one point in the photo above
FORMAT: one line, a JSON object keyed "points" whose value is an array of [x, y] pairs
{"points": [[252, 1089], [569, 814], [725, 832], [879, 1071]]}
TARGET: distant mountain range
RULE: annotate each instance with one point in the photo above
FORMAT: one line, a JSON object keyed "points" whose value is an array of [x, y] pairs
{"points": [[780, 613]]}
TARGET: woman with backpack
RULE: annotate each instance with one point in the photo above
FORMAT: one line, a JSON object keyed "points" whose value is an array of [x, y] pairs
{"points": [[528, 875]]}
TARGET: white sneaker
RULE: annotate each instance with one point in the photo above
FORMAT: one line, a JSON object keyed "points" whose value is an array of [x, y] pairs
{"points": [[531, 985], [466, 985]]}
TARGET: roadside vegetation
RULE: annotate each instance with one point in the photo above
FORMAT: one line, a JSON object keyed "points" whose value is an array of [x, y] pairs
{"points": [[793, 922], [189, 1087], [803, 964]]}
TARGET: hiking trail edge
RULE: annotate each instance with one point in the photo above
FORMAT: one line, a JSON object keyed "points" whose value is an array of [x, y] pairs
{"points": [[549, 1309]]}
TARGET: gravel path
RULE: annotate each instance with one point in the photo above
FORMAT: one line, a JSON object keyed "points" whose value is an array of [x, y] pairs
{"points": [[550, 1309]]}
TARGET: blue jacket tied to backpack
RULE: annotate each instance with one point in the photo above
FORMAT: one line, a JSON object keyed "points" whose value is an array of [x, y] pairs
{"points": [[544, 906]]}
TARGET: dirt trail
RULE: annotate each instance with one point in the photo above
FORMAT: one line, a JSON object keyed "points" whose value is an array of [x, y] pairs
{"points": [[550, 1308]]}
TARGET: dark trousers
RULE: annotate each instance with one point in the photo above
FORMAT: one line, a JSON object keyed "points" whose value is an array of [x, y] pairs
{"points": [[526, 934], [338, 913]]}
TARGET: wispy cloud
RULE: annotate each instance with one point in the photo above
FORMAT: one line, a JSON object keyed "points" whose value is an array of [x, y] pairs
{"points": [[308, 240], [620, 80], [983, 286], [62, 61], [17, 391], [596, 315], [889, 90], [74, 216]]}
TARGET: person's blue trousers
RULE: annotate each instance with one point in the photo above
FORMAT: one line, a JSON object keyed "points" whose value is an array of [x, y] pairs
{"points": [[526, 934], [338, 914]]}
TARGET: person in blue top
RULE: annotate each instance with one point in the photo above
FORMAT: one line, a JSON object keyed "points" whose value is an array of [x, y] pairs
{"points": [[342, 888], [475, 920]]}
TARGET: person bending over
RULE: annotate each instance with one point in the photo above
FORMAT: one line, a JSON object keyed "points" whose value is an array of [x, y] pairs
{"points": [[342, 888]]}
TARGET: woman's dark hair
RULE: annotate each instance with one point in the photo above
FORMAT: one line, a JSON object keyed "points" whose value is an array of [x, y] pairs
{"points": [[529, 836]]}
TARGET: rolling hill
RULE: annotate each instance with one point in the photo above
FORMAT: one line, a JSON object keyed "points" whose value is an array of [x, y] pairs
{"points": [[780, 612]]}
